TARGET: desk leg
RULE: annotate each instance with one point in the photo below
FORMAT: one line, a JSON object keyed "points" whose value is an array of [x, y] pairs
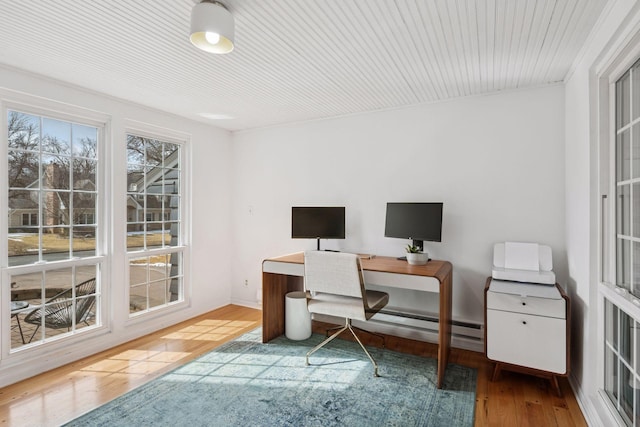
{"points": [[444, 331], [274, 288]]}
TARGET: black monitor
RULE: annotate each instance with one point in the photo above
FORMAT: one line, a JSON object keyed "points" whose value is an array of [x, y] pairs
{"points": [[415, 221], [318, 222]]}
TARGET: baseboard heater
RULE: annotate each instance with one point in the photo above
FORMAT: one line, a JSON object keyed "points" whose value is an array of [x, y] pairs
{"points": [[424, 326], [421, 327]]}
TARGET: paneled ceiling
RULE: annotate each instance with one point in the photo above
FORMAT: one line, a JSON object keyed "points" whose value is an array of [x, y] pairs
{"points": [[298, 60]]}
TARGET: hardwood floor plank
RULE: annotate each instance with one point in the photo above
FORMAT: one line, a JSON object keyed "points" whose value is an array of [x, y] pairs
{"points": [[57, 396]]}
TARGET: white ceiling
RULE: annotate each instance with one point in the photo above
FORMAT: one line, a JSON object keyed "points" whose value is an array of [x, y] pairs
{"points": [[298, 60]]}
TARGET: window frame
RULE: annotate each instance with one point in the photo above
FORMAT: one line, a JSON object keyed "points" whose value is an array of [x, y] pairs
{"points": [[21, 102]]}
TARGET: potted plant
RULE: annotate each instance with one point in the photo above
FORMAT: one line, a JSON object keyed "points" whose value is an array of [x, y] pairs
{"points": [[415, 256]]}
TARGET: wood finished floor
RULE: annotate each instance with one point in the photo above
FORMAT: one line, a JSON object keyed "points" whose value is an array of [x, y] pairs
{"points": [[57, 396]]}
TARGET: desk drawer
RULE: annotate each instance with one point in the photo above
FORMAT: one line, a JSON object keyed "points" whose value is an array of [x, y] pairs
{"points": [[532, 341], [526, 305]]}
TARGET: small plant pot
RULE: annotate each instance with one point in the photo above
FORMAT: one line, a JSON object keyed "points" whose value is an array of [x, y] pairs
{"points": [[419, 258]]}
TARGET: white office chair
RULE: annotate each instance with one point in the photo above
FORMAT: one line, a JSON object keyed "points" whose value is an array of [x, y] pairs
{"points": [[335, 287]]}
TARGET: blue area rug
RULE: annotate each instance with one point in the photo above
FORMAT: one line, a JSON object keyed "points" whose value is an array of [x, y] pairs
{"points": [[247, 383]]}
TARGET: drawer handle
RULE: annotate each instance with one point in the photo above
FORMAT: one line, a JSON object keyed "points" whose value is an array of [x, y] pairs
{"points": [[524, 322], [524, 303]]}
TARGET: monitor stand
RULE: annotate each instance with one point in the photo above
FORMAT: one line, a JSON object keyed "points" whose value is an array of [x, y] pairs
{"points": [[326, 250]]}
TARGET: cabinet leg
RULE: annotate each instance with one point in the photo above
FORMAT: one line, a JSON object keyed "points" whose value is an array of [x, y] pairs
{"points": [[496, 372], [555, 386]]}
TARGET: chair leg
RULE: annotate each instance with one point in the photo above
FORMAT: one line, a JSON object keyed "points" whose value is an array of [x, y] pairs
{"points": [[34, 333], [384, 340], [20, 328], [322, 344], [332, 337], [332, 329], [375, 365]]}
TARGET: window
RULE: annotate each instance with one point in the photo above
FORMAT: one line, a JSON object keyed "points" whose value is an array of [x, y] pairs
{"points": [[154, 228], [29, 219], [621, 337], [52, 175]]}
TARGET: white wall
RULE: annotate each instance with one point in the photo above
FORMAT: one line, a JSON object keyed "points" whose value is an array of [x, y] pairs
{"points": [[210, 238], [582, 204], [496, 161]]}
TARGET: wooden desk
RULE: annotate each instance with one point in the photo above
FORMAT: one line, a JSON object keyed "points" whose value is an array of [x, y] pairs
{"points": [[284, 274]]}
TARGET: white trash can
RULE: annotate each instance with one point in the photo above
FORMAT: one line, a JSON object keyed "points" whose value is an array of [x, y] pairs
{"points": [[297, 319]]}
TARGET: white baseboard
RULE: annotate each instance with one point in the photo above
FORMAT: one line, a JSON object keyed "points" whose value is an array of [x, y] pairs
{"points": [[247, 303]]}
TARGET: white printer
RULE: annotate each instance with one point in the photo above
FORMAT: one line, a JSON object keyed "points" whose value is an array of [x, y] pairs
{"points": [[523, 262]]}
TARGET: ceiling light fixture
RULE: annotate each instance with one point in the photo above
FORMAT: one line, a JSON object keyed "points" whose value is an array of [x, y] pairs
{"points": [[212, 27]]}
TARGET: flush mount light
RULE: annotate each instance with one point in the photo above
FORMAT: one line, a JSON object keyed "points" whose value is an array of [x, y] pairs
{"points": [[212, 27], [216, 116]]}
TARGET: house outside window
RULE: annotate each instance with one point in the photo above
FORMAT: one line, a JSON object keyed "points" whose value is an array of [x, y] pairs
{"points": [[155, 242], [54, 276]]}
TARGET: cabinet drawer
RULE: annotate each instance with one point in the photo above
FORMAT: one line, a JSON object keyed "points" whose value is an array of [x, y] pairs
{"points": [[526, 340], [526, 305]]}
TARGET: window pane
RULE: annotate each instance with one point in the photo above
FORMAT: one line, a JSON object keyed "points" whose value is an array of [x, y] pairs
{"points": [[55, 207], [636, 270], [21, 203], [84, 241], [154, 236], [135, 150], [85, 141], [175, 272], [626, 330], [84, 174], [636, 150], [158, 293], [153, 152], [56, 136], [627, 394], [23, 131], [635, 355], [171, 155], [623, 156], [56, 244], [135, 236], [611, 325], [24, 169], [611, 374], [636, 90], [623, 101], [138, 279], [171, 234], [55, 173], [623, 209], [84, 207], [135, 178], [623, 257], [138, 269]]}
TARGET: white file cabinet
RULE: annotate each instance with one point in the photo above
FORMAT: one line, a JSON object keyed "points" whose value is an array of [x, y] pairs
{"points": [[527, 329]]}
